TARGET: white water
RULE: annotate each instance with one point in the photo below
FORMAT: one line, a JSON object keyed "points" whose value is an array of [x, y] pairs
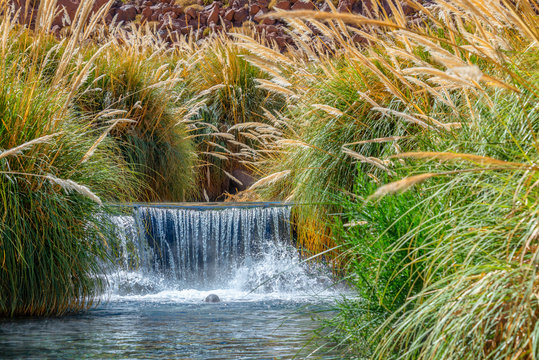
{"points": [[240, 254]]}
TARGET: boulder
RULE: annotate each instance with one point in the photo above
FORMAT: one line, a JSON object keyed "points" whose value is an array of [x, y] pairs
{"points": [[191, 12], [212, 298], [254, 9], [147, 13], [213, 15], [241, 15], [229, 15], [303, 5], [126, 13], [344, 6], [265, 21], [68, 9], [283, 5]]}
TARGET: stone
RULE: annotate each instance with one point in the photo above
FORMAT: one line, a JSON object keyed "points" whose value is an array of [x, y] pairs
{"points": [[68, 9], [325, 7], [229, 15], [213, 16], [241, 15], [283, 5], [254, 9], [344, 6], [98, 4], [147, 13], [186, 29], [212, 298], [258, 16], [126, 13], [191, 12], [303, 5]]}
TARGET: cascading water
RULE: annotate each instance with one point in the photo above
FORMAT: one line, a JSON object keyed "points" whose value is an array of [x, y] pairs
{"points": [[234, 251]]}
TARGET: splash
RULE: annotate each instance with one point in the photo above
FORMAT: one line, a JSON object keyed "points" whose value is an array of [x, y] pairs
{"points": [[241, 254]]}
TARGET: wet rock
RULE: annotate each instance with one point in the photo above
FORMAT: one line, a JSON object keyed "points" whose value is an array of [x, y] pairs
{"points": [[212, 298]]}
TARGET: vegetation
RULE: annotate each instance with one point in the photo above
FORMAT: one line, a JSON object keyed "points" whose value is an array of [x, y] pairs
{"points": [[139, 85], [444, 271], [56, 172]]}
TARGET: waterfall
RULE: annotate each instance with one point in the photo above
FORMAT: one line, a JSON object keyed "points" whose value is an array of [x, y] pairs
{"points": [[202, 248]]}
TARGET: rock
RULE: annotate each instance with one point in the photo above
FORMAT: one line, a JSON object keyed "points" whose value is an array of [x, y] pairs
{"points": [[241, 15], [283, 5], [407, 9], [325, 7], [147, 14], [344, 6], [98, 4], [212, 298], [68, 9], [127, 13], [186, 29], [190, 11], [254, 9], [270, 29], [229, 15], [265, 21], [303, 5], [213, 16]]}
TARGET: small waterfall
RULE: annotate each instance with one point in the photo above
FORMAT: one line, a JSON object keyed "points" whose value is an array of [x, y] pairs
{"points": [[244, 248]]}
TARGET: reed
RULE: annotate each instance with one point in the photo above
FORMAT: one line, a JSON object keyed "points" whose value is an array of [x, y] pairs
{"points": [[140, 83], [453, 96], [226, 114], [53, 235]]}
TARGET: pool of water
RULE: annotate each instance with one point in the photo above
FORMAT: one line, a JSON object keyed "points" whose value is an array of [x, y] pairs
{"points": [[171, 325]]}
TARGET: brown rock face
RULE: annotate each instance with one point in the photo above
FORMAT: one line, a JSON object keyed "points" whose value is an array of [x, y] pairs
{"points": [[254, 9], [283, 5], [213, 16], [68, 9], [191, 12], [147, 14], [241, 15], [126, 13], [229, 15], [303, 5]]}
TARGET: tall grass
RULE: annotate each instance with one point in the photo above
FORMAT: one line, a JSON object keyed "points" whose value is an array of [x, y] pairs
{"points": [[445, 271], [55, 174], [226, 113], [138, 84]]}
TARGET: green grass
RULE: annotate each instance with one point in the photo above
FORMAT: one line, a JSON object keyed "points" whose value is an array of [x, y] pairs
{"points": [[152, 138], [437, 269], [53, 235]]}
